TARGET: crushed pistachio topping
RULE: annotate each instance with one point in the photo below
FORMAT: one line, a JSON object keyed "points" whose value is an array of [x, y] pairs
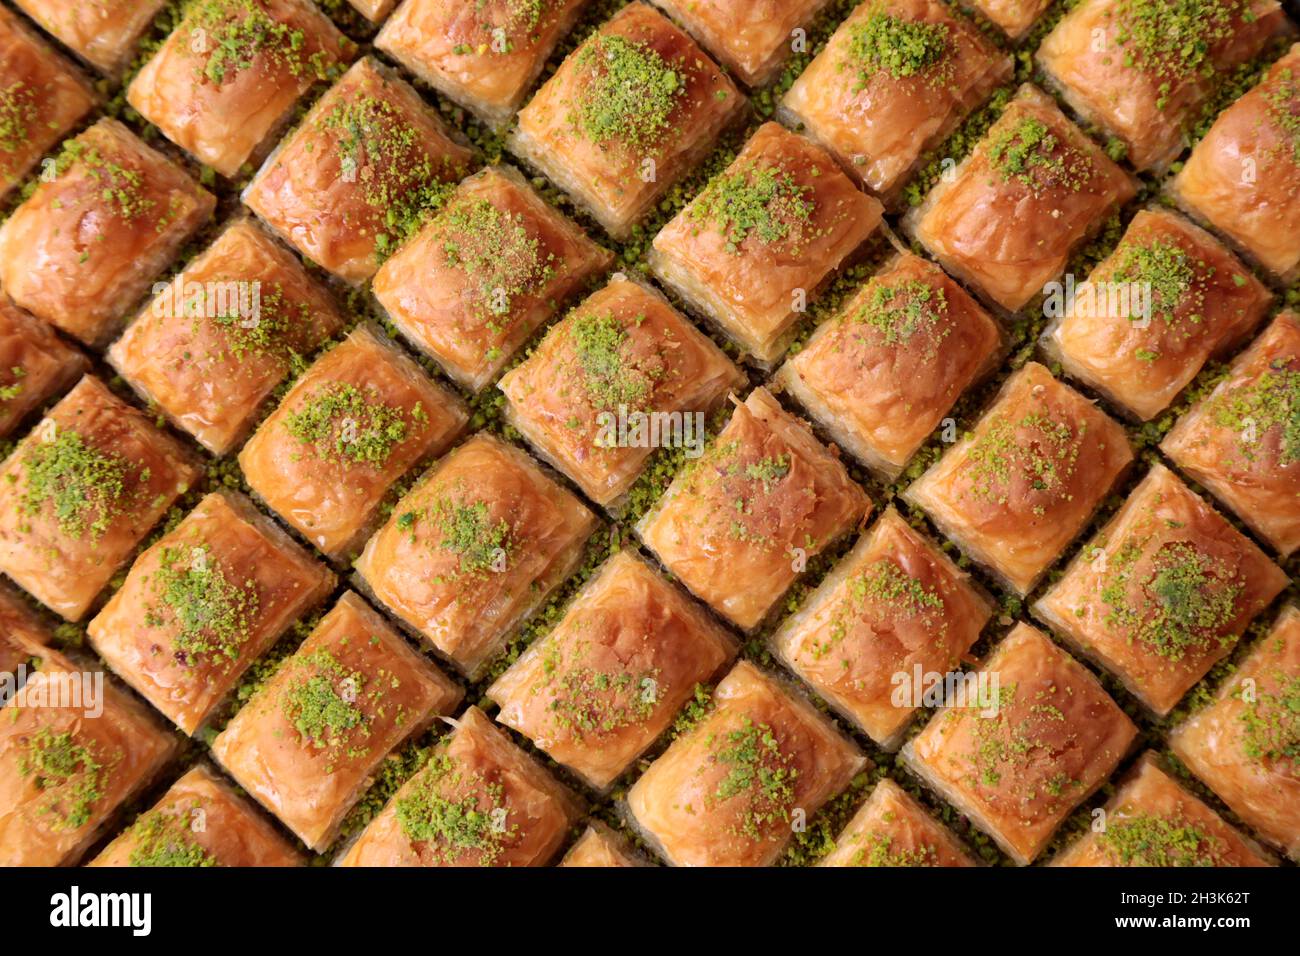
{"points": [[764, 202], [632, 96], [1271, 724], [881, 593], [212, 616], [587, 701], [87, 488], [496, 251], [896, 313], [15, 388], [1010, 745], [165, 840], [499, 23], [1172, 39], [234, 35], [897, 46], [880, 851], [1036, 450], [121, 188], [66, 770], [759, 774], [746, 480], [611, 372], [17, 114], [1283, 100], [267, 333], [468, 531], [454, 813], [1171, 273], [1253, 410], [1030, 153], [345, 422], [1145, 839], [321, 702]]}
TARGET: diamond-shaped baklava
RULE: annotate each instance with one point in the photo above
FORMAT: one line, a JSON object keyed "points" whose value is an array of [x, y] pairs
{"points": [[600, 847], [892, 829], [104, 32], [35, 364]]}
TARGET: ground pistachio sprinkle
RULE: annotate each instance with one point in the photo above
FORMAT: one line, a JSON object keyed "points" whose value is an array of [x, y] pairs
{"points": [[321, 703], [450, 826], [894, 45], [468, 531], [1171, 273], [1030, 153], [763, 202], [1037, 447], [1173, 39], [1284, 108], [86, 487], [1271, 724], [344, 422], [881, 852], [895, 313], [233, 35], [15, 388], [17, 114], [759, 773], [212, 616], [165, 840], [1149, 840], [1253, 410], [57, 764], [495, 249], [610, 374], [632, 96]]}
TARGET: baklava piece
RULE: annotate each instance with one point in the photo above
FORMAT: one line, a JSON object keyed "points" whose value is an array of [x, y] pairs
{"points": [[479, 801], [752, 249], [104, 32], [204, 602], [1019, 767], [42, 97], [893, 830], [79, 494], [1163, 592], [67, 768], [894, 605], [894, 81], [1169, 298], [623, 374], [608, 680], [883, 372], [630, 112], [739, 525], [35, 365], [22, 633], [363, 171], [734, 788], [483, 55], [215, 342], [1242, 441], [751, 38], [201, 821], [1243, 177], [1015, 491], [493, 266], [1012, 212], [1153, 821], [309, 742], [227, 79], [1244, 745], [1013, 17], [356, 421], [83, 248], [600, 847], [475, 548]]}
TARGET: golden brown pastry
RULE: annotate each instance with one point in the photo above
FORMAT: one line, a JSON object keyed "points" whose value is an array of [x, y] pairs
{"points": [[308, 743], [361, 417], [35, 365], [216, 341], [479, 801], [80, 493], [21, 632], [1152, 313], [627, 114], [732, 790], [1008, 218], [754, 247], [600, 847], [202, 604], [1242, 441], [893, 82], [483, 55], [623, 374], [883, 372], [608, 680], [492, 267], [1015, 17], [1244, 745], [739, 525], [1163, 592], [892, 829], [1019, 769], [105, 32], [477, 546], [893, 611], [201, 821], [83, 248]]}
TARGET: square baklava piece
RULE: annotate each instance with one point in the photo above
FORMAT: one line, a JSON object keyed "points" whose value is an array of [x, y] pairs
{"points": [[893, 605], [733, 789], [752, 249], [627, 114], [608, 385], [880, 375], [200, 821], [739, 524], [1244, 744], [1011, 213], [216, 341], [478, 801], [483, 55], [894, 81], [1243, 177], [309, 742], [104, 32], [494, 265], [228, 77], [1150, 315], [204, 602], [1019, 767], [892, 830], [1163, 592], [35, 365], [1242, 441], [83, 248], [600, 847], [1140, 69], [79, 494], [66, 770], [355, 422], [362, 172], [477, 546], [1153, 821], [1016, 490], [607, 681], [42, 97]]}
